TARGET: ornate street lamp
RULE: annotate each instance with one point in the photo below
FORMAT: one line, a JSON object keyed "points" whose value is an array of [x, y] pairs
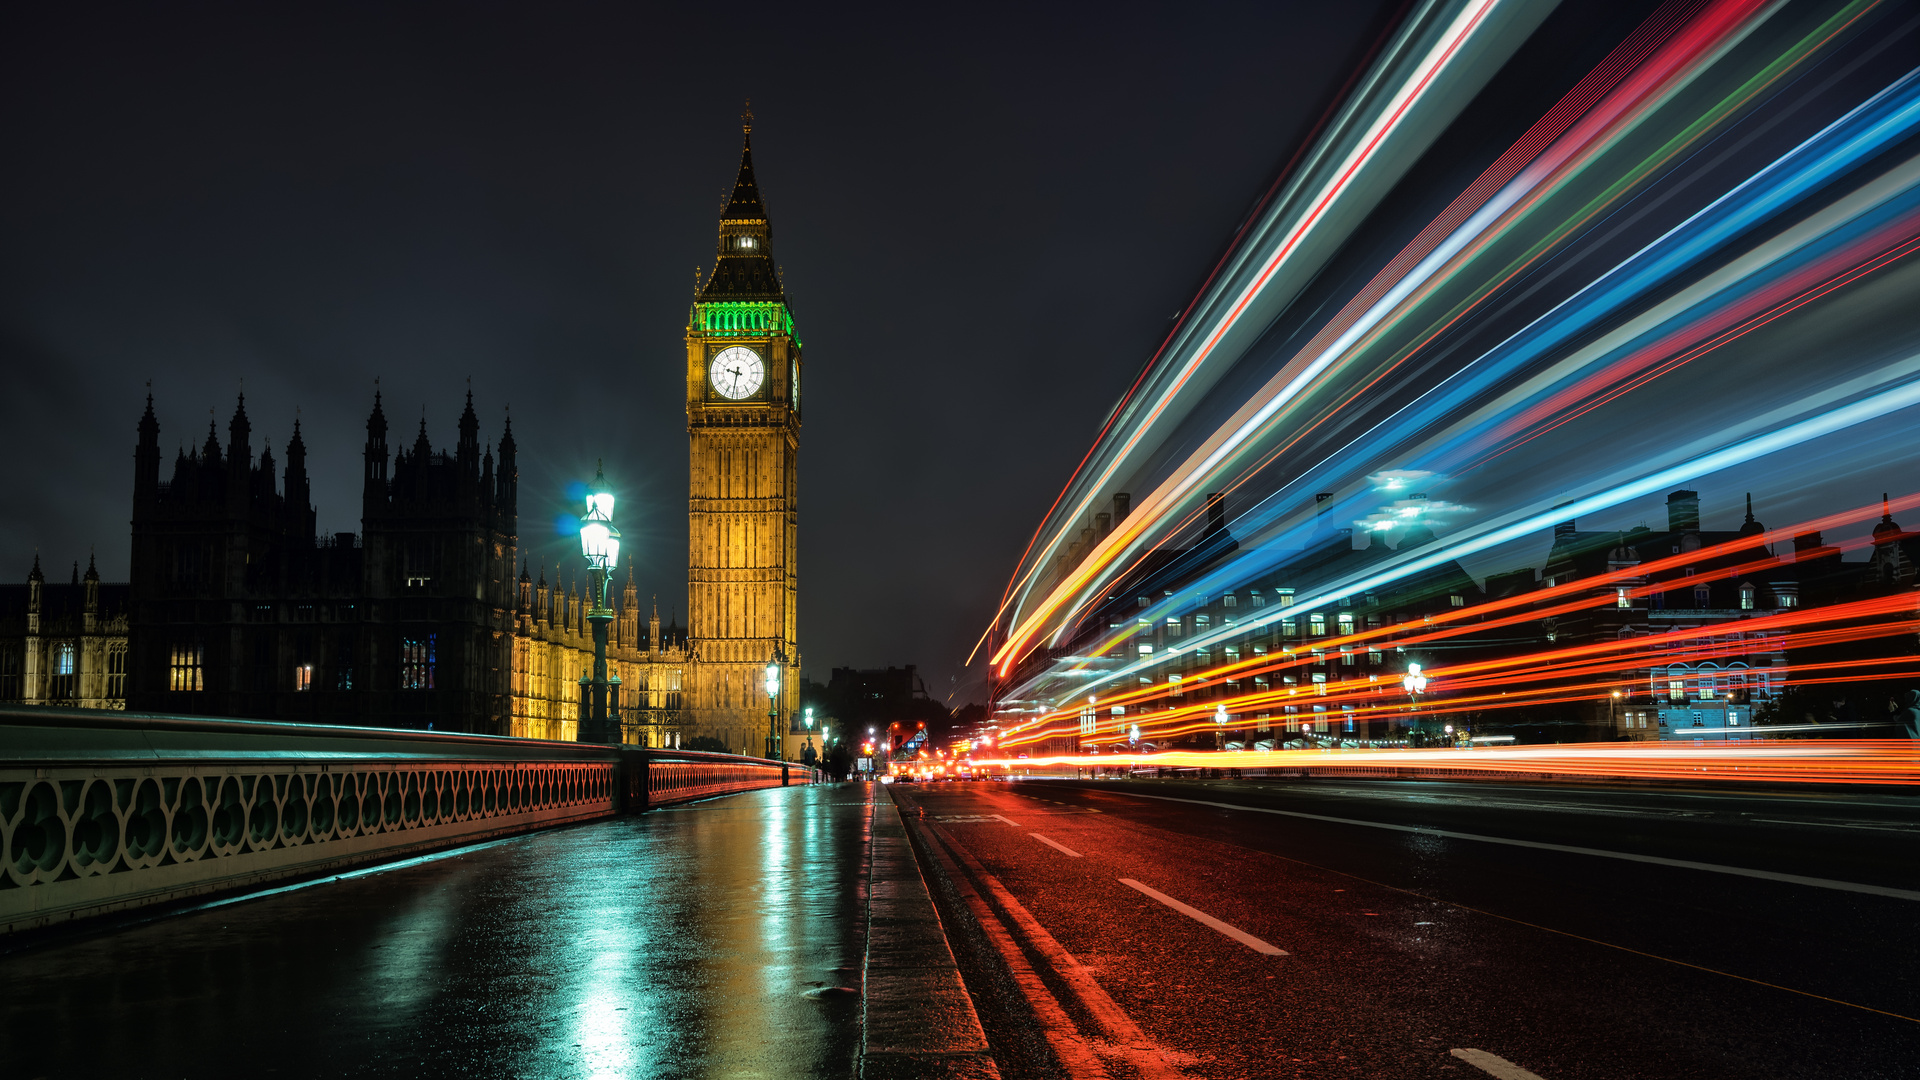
{"points": [[1415, 683], [773, 697], [600, 543]]}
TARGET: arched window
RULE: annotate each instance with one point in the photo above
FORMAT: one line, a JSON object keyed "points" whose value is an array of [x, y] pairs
{"points": [[1746, 597]]}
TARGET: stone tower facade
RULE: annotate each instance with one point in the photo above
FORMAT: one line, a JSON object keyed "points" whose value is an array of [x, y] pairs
{"points": [[743, 426]]}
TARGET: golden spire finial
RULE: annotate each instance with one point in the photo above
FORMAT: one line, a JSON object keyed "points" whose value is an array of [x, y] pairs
{"points": [[746, 118]]}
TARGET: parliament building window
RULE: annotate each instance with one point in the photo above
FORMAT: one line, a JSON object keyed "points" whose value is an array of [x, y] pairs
{"points": [[184, 668], [116, 671], [302, 677], [11, 685], [416, 663]]}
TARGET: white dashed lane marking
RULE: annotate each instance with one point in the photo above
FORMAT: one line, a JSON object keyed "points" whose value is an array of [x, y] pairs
{"points": [[1494, 1065], [1055, 845], [1205, 919]]}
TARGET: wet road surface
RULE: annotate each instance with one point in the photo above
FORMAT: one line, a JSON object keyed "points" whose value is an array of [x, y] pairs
{"points": [[1385, 930], [694, 941]]}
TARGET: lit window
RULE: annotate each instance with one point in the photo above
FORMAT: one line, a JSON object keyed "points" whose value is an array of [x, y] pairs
{"points": [[1201, 622], [184, 668], [1319, 683], [1621, 597], [117, 671], [1788, 600], [1146, 649], [1346, 622], [63, 658], [1458, 600], [1229, 600], [1232, 654], [1746, 598], [302, 677], [1286, 597], [416, 663], [1174, 626], [1258, 600], [1677, 689], [1317, 624], [1346, 658], [1173, 685], [1289, 628]]}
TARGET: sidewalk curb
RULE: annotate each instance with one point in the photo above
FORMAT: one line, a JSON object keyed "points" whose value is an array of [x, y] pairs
{"points": [[918, 1022]]}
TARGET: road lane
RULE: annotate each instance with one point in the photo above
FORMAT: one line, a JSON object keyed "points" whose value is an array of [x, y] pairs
{"points": [[1405, 945]]}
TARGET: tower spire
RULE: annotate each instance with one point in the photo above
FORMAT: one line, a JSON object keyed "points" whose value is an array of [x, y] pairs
{"points": [[744, 269]]}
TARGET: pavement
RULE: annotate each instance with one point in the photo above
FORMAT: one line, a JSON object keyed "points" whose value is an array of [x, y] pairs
{"points": [[1125, 928], [724, 938]]}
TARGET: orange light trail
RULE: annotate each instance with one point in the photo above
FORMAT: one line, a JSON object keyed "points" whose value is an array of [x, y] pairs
{"points": [[1826, 761]]}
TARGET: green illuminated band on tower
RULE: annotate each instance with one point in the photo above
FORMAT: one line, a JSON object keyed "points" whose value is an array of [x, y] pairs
{"points": [[743, 319]]}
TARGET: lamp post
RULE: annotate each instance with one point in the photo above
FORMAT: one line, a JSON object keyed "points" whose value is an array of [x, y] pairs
{"points": [[600, 543], [808, 755], [1415, 684], [773, 712]]}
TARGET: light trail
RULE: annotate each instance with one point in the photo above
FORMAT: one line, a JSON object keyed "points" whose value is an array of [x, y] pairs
{"points": [[1684, 224], [1829, 761], [1263, 410], [1893, 615]]}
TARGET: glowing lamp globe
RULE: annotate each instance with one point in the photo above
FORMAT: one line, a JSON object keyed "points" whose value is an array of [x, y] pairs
{"points": [[773, 679], [600, 543], [599, 540]]}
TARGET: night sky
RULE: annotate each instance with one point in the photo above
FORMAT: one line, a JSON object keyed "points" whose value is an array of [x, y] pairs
{"points": [[986, 219]]}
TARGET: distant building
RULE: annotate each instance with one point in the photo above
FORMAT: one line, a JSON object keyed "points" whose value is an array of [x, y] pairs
{"points": [[237, 608], [1712, 692], [64, 644]]}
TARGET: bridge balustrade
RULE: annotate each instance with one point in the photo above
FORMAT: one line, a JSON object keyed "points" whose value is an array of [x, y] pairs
{"points": [[107, 811]]}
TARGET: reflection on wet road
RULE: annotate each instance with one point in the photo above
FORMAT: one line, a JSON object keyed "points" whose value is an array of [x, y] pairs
{"points": [[681, 943]]}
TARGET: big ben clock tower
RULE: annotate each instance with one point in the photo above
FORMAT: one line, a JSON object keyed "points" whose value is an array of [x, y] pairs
{"points": [[743, 426]]}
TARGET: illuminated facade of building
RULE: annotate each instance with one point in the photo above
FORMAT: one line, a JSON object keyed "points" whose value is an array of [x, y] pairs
{"points": [[743, 430], [64, 644], [553, 653]]}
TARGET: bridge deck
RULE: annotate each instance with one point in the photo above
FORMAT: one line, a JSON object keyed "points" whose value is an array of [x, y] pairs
{"points": [[683, 942]]}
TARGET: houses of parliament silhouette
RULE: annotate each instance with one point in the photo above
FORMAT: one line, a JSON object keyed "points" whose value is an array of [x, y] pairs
{"points": [[428, 617]]}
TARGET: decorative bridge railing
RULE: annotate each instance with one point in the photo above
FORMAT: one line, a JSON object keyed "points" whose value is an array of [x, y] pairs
{"points": [[107, 811]]}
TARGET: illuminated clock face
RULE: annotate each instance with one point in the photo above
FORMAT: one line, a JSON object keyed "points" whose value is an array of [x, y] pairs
{"points": [[737, 372]]}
